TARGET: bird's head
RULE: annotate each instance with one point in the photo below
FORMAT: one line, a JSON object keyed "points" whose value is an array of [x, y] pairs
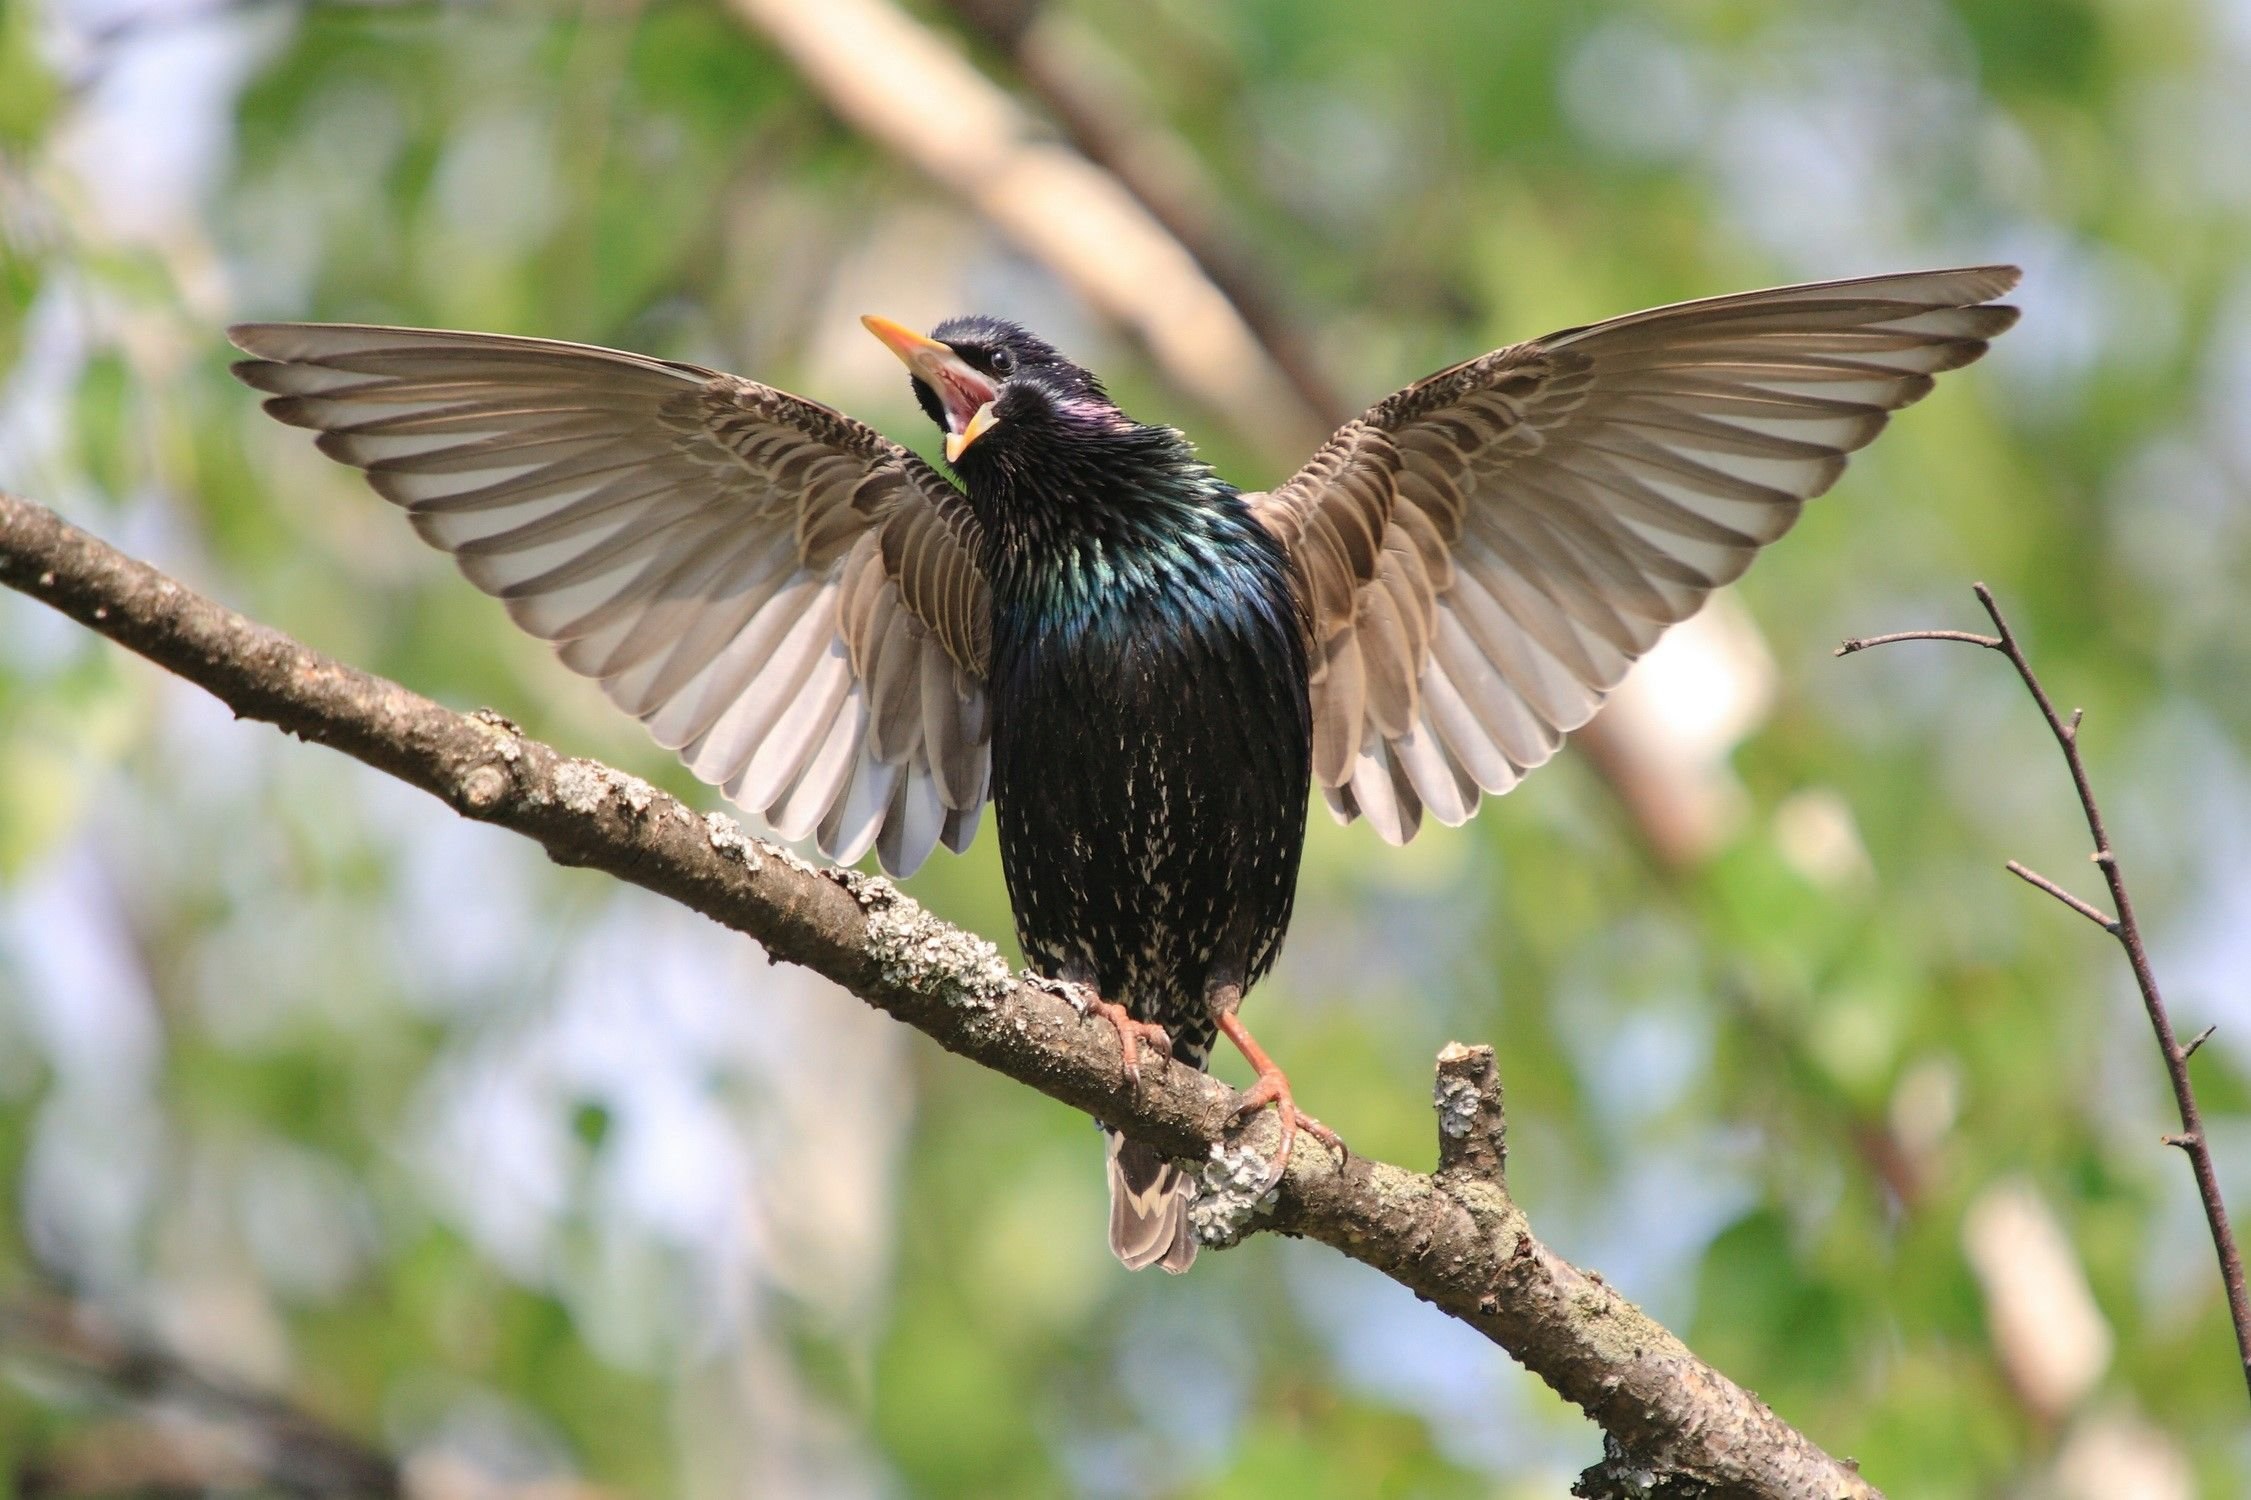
{"points": [[1000, 394], [1058, 476]]}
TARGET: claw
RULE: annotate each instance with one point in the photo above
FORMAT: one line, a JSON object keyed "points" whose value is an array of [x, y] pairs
{"points": [[1131, 1034], [1273, 1087]]}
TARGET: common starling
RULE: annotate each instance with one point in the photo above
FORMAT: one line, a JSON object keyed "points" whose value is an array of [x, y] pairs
{"points": [[1141, 665]]}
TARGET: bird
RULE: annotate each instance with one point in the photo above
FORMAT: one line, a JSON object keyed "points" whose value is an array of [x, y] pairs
{"points": [[1146, 669]]}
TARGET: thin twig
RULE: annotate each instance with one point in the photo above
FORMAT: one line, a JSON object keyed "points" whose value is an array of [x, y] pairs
{"points": [[1863, 642], [2087, 909], [1457, 1240], [2191, 1140]]}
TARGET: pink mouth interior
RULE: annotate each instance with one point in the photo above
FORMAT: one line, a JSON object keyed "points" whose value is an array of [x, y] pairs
{"points": [[963, 391]]}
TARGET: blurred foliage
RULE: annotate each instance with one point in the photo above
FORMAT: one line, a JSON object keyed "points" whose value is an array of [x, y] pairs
{"points": [[477, 1158]]}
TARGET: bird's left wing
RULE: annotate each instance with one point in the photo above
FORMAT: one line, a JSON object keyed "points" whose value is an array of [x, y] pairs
{"points": [[1486, 552], [781, 594]]}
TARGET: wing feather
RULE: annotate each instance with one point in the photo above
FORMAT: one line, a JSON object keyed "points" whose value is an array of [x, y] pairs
{"points": [[776, 591], [1485, 553], [827, 772]]}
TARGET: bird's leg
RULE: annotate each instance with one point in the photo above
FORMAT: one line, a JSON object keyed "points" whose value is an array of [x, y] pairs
{"points": [[1271, 1087], [1132, 1034]]}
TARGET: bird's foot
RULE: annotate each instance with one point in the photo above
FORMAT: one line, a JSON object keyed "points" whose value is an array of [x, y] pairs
{"points": [[1273, 1087], [1132, 1035]]}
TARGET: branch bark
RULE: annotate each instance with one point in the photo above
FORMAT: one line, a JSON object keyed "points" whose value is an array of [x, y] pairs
{"points": [[2192, 1140], [1675, 1425]]}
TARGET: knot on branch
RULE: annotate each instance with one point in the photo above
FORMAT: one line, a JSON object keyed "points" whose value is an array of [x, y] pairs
{"points": [[485, 786], [1472, 1125]]}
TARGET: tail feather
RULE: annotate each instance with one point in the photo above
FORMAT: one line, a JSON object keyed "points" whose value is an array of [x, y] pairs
{"points": [[1149, 1199]]}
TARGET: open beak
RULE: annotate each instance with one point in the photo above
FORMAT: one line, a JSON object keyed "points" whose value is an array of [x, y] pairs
{"points": [[967, 393]]}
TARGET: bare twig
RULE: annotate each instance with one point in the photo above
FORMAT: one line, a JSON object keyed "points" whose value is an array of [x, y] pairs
{"points": [[1863, 642], [2087, 909], [2192, 1140], [1457, 1239]]}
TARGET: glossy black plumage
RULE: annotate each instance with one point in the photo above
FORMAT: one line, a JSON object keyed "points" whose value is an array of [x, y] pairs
{"points": [[1142, 666], [1151, 731]]}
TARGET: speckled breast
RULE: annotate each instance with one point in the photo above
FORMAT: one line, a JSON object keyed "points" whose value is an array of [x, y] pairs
{"points": [[1151, 760]]}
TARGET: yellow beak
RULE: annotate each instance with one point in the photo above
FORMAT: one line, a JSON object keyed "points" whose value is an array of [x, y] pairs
{"points": [[980, 423], [919, 352], [966, 392]]}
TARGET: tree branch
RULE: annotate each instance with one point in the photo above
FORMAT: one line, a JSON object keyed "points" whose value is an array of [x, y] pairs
{"points": [[2192, 1140], [1455, 1239]]}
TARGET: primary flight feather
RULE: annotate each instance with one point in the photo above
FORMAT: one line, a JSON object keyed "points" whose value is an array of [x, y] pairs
{"points": [[1142, 666]]}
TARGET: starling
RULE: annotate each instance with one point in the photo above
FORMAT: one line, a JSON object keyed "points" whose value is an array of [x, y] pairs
{"points": [[1141, 665]]}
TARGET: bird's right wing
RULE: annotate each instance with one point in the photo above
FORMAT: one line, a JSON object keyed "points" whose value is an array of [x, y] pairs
{"points": [[1487, 551], [781, 594]]}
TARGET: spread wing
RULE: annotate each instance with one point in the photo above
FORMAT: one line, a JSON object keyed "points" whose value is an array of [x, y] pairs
{"points": [[1486, 552], [782, 595]]}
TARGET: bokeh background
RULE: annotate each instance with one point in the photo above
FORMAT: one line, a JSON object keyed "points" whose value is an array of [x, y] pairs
{"points": [[346, 1146]]}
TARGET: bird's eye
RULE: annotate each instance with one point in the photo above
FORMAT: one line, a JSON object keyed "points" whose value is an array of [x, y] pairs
{"points": [[1002, 361]]}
